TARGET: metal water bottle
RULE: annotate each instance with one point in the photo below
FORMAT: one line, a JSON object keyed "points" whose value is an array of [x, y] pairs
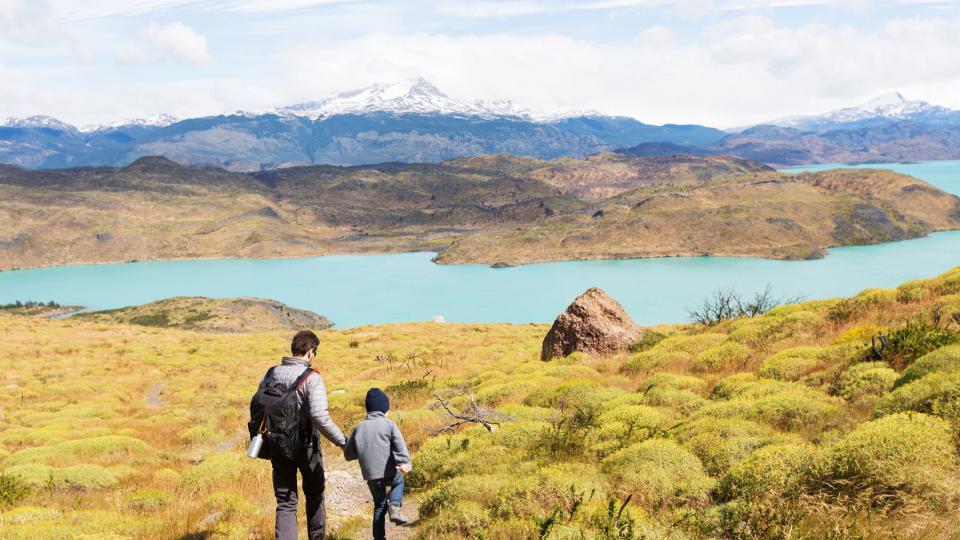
{"points": [[255, 444]]}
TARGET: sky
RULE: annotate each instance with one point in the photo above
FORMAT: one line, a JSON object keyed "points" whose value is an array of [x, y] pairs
{"points": [[723, 63]]}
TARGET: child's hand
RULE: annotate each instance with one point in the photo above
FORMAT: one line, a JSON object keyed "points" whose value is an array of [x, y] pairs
{"points": [[405, 468]]}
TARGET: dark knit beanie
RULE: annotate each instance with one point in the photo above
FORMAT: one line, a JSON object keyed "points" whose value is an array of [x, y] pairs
{"points": [[377, 401]]}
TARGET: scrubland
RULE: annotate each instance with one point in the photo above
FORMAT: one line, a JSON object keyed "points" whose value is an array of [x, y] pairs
{"points": [[799, 423]]}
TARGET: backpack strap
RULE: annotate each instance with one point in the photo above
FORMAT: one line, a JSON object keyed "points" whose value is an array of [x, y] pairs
{"points": [[303, 378]]}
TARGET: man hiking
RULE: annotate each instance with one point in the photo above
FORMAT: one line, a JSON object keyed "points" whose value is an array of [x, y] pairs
{"points": [[289, 409]]}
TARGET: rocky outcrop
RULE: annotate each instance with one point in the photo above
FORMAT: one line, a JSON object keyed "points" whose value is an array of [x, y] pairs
{"points": [[595, 324]]}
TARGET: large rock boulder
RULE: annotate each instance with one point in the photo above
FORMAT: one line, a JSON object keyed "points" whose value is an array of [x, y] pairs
{"points": [[595, 324]]}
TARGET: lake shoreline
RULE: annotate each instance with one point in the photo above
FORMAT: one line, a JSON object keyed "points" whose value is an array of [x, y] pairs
{"points": [[822, 253]]}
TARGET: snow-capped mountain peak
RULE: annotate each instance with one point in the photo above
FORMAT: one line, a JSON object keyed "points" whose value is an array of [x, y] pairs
{"points": [[39, 121], [890, 106], [156, 120], [414, 96]]}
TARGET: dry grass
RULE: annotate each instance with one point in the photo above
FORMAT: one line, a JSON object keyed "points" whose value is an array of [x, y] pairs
{"points": [[138, 432]]}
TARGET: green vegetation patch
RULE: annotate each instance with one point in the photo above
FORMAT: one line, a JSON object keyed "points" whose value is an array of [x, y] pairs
{"points": [[900, 452], [945, 360], [109, 449], [724, 357], [791, 364], [722, 442], [658, 471], [780, 470], [937, 394], [865, 380]]}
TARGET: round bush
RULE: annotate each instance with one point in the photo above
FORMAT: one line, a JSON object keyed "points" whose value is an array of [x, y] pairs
{"points": [[218, 469], [858, 334], [755, 331], [945, 359], [912, 291], [772, 471], [571, 392], [656, 359], [627, 424], [796, 409], [465, 519], [865, 380], [148, 500], [721, 442], [904, 451], [103, 450], [672, 380], [684, 401], [83, 477], [659, 471], [690, 344], [748, 385], [937, 394], [726, 356], [791, 364], [35, 475]]}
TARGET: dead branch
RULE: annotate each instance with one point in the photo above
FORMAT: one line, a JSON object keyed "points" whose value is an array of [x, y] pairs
{"points": [[474, 413]]}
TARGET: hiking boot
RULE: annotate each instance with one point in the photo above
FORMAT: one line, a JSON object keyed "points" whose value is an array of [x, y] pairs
{"points": [[396, 517]]}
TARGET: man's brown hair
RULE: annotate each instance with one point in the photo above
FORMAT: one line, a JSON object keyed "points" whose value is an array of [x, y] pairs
{"points": [[303, 342]]}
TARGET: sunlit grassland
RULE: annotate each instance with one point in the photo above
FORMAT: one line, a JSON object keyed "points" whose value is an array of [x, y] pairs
{"points": [[781, 425]]}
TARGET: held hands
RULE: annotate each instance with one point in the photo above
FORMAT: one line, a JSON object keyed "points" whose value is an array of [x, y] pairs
{"points": [[405, 468]]}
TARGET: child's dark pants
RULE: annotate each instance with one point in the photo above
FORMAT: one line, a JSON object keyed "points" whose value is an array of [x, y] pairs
{"points": [[382, 500]]}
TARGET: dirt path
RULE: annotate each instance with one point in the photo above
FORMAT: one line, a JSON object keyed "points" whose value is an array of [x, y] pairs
{"points": [[347, 496]]}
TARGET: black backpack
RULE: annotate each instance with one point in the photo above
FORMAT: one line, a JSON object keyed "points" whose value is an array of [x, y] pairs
{"points": [[275, 412]]}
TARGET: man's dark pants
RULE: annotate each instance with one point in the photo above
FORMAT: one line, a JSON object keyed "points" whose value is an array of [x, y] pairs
{"points": [[309, 462]]}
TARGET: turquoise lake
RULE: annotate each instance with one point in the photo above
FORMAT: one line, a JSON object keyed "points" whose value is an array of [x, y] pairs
{"points": [[375, 289]]}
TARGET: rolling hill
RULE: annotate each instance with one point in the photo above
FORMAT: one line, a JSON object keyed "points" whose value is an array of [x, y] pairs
{"points": [[485, 209]]}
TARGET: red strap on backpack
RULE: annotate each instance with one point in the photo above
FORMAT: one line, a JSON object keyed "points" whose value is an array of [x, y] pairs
{"points": [[305, 376]]}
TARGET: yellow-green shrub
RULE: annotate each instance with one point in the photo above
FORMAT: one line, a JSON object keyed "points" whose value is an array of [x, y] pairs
{"points": [[75, 477], [102, 450], [148, 500], [659, 471], [945, 360], [867, 299], [936, 393], [791, 408], [899, 452], [858, 334], [624, 425], [726, 356], [655, 359], [672, 380], [748, 385], [218, 469], [912, 291], [779, 470], [791, 364], [721, 442], [465, 519], [866, 380], [690, 344], [572, 392]]}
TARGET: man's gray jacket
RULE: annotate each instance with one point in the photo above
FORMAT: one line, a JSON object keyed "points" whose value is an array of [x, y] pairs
{"points": [[379, 445], [312, 396]]}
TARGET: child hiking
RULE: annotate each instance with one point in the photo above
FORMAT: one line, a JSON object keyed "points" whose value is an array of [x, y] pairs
{"points": [[379, 446]]}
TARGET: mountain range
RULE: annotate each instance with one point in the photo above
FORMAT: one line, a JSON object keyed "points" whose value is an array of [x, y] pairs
{"points": [[413, 121]]}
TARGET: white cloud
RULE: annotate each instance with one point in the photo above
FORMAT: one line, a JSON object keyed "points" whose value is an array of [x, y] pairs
{"points": [[27, 21], [175, 42], [744, 71], [98, 9]]}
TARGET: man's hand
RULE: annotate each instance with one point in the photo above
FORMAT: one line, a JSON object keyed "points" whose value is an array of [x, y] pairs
{"points": [[405, 468]]}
